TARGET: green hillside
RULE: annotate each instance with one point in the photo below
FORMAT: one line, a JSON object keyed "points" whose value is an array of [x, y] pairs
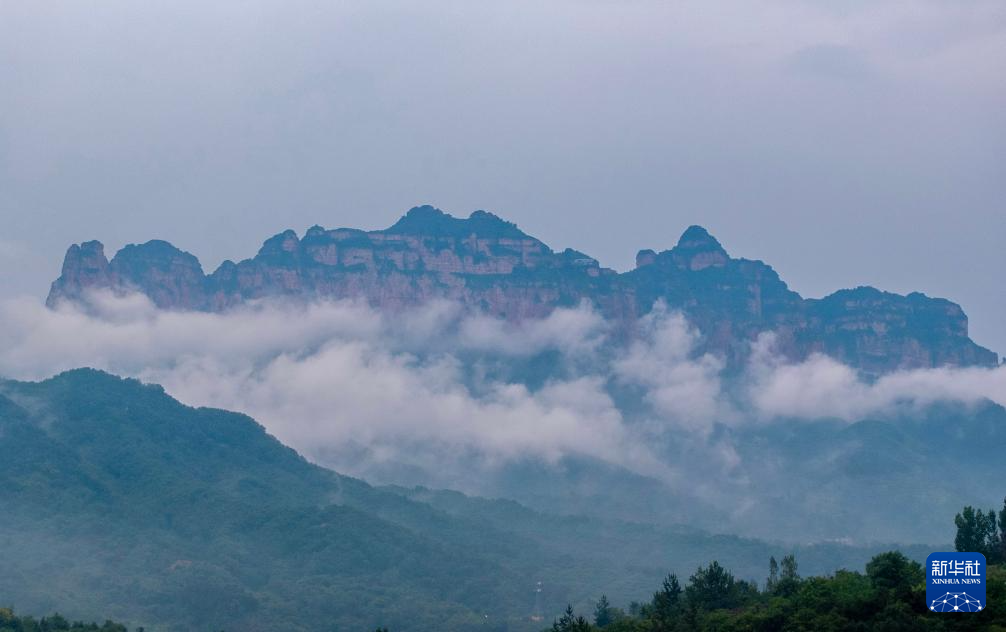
{"points": [[118, 501]]}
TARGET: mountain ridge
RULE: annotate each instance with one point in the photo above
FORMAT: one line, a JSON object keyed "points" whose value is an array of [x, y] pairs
{"points": [[489, 264], [120, 500]]}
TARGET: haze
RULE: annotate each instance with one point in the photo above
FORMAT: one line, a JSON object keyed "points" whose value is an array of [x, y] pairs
{"points": [[845, 144]]}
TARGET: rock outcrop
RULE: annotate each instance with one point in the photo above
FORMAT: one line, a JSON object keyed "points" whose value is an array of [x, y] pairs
{"points": [[490, 265]]}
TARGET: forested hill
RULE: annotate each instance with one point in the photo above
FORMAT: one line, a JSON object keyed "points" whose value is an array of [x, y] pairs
{"points": [[118, 501], [181, 518]]}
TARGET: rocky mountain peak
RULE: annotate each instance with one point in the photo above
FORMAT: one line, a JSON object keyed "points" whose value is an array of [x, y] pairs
{"points": [[281, 244], [697, 249], [157, 253], [90, 248], [645, 257], [487, 264], [698, 238], [88, 258], [431, 221], [84, 266], [420, 220]]}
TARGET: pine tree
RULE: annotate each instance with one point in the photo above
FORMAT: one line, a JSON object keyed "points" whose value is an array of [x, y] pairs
{"points": [[783, 578], [565, 622], [789, 568], [667, 601], [602, 612], [714, 587], [569, 622], [773, 575]]}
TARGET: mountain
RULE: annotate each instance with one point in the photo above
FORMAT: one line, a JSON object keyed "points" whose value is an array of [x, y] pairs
{"points": [[490, 265], [119, 501], [890, 477]]}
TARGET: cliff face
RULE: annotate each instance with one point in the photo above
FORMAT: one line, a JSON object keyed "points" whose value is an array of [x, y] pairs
{"points": [[490, 265]]}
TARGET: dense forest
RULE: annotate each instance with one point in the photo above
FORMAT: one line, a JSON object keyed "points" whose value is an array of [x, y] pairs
{"points": [[10, 622], [889, 596]]}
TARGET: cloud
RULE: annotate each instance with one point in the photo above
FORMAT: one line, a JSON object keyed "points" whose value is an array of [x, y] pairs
{"points": [[333, 376], [821, 387], [684, 391], [359, 390], [577, 331]]}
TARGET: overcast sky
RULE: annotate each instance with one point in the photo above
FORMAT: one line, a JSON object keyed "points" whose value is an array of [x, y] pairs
{"points": [[844, 143]]}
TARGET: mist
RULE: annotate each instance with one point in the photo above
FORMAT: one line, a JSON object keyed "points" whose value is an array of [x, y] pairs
{"points": [[437, 390]]}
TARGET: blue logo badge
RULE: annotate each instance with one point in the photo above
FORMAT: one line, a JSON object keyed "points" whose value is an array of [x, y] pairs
{"points": [[955, 582]]}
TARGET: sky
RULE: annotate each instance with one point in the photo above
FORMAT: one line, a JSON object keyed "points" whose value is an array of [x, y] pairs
{"points": [[844, 143]]}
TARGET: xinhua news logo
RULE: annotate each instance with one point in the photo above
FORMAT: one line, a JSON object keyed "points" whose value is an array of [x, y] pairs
{"points": [[955, 582]]}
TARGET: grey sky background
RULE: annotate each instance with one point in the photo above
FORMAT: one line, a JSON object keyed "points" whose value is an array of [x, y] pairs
{"points": [[844, 143]]}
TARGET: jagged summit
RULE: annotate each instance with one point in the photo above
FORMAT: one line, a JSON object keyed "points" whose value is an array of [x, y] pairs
{"points": [[421, 217], [645, 257], [84, 266], [429, 220], [697, 249], [93, 247], [488, 264], [157, 253], [278, 245], [153, 248], [87, 258], [697, 238]]}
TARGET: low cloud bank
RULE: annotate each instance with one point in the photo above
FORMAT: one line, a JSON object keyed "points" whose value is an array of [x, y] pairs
{"points": [[435, 385]]}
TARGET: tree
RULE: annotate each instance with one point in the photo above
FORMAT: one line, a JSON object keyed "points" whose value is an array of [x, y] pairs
{"points": [[711, 588], [789, 568], [602, 612], [789, 579], [773, 575], [977, 531], [894, 573], [562, 623], [666, 604], [966, 538], [990, 531], [569, 622]]}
